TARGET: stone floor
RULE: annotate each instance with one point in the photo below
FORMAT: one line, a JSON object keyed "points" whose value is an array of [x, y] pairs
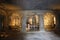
{"points": [[37, 35], [42, 35]]}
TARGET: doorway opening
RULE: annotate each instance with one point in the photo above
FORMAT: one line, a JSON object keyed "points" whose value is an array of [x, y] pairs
{"points": [[32, 23], [15, 22], [49, 21]]}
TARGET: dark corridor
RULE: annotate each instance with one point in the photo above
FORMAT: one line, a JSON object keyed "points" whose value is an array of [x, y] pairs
{"points": [[1, 22]]}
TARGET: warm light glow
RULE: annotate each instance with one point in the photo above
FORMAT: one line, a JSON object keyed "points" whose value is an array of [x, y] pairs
{"points": [[37, 18], [54, 20], [30, 20], [15, 20], [49, 21]]}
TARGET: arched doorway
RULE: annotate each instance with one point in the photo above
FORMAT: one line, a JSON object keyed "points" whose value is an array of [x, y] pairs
{"points": [[32, 23], [15, 22], [49, 21]]}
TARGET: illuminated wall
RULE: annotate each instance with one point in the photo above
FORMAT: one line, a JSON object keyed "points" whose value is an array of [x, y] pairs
{"points": [[16, 21], [49, 21]]}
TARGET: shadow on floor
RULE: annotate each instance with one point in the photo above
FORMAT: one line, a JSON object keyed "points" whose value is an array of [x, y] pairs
{"points": [[13, 35]]}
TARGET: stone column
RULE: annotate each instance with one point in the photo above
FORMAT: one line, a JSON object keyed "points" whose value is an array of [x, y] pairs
{"points": [[24, 19], [41, 22], [57, 21]]}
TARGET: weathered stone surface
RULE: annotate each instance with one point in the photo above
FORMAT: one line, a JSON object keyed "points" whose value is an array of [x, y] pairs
{"points": [[42, 35]]}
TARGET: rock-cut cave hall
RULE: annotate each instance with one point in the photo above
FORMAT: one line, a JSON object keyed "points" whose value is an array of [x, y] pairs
{"points": [[12, 18]]}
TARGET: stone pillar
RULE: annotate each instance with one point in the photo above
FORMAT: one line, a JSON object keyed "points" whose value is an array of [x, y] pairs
{"points": [[57, 21], [24, 23], [41, 22], [57, 14]]}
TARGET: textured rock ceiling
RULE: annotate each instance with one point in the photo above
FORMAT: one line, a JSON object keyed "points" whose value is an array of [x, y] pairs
{"points": [[35, 4]]}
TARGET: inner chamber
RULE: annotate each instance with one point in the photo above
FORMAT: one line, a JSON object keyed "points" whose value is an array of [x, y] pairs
{"points": [[32, 23], [15, 22], [49, 21]]}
